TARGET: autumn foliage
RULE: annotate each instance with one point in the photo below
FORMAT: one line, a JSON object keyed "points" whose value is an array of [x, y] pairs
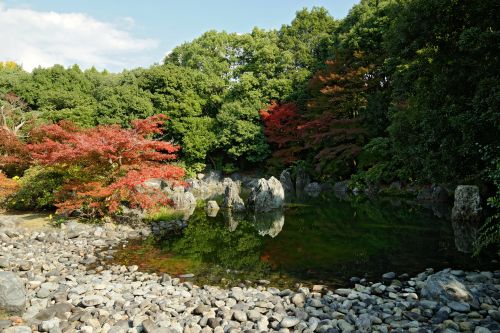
{"points": [[106, 165], [329, 128], [281, 127], [8, 186]]}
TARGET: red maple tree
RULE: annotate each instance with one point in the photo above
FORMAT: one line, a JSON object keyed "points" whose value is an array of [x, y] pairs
{"points": [[281, 127], [106, 165]]}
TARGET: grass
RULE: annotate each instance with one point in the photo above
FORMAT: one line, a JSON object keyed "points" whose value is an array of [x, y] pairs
{"points": [[164, 214]]}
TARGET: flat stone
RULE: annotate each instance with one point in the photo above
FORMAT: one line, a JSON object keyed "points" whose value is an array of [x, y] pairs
{"points": [[288, 322], [17, 329], [92, 300], [12, 293], [459, 306]]}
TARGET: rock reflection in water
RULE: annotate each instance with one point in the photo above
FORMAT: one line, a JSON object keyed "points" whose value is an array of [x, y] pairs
{"points": [[270, 223], [465, 234], [230, 219]]}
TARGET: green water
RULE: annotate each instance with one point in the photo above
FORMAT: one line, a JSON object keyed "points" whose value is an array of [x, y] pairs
{"points": [[321, 241]]}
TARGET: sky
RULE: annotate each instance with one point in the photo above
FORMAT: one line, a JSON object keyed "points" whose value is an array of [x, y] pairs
{"points": [[117, 35]]}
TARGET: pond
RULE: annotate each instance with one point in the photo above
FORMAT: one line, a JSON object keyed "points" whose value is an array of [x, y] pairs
{"points": [[322, 241]]}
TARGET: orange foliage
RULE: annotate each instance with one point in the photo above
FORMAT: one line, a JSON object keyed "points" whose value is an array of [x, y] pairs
{"points": [[7, 186]]}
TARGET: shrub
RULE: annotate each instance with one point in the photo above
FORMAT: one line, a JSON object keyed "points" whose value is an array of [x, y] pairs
{"points": [[37, 189]]}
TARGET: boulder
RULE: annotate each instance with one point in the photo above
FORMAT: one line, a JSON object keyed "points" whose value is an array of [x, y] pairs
{"points": [[286, 182], [467, 205], [129, 216], [301, 181], [183, 200], [232, 198], [313, 189], [212, 208], [267, 195], [445, 287], [466, 215], [12, 293]]}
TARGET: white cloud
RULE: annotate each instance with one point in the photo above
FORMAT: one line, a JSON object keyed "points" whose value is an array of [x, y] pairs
{"points": [[35, 38]]}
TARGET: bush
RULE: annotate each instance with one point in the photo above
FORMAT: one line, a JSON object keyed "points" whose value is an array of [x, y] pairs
{"points": [[37, 190]]}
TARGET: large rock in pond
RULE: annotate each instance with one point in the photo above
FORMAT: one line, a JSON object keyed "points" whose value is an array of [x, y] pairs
{"points": [[467, 205], [183, 200], [286, 182], [267, 195], [445, 287], [12, 293], [232, 198]]}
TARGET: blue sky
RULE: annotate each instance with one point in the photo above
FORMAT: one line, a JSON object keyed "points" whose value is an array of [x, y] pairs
{"points": [[126, 34]]}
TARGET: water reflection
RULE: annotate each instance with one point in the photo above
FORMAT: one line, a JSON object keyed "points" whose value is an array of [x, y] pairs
{"points": [[322, 240], [270, 223]]}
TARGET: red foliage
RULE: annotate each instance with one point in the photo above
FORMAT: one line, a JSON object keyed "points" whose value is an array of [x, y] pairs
{"points": [[108, 164], [281, 127], [339, 96], [14, 155], [330, 127]]}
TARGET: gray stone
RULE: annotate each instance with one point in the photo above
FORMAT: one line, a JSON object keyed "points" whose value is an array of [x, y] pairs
{"points": [[389, 276], [17, 329], [240, 316], [267, 195], [299, 299], [286, 182], [12, 293], [288, 322], [467, 204], [232, 198], [459, 306], [92, 300], [445, 287], [212, 208], [183, 200]]}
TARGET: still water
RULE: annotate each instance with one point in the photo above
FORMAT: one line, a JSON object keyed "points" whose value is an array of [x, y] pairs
{"points": [[325, 240]]}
